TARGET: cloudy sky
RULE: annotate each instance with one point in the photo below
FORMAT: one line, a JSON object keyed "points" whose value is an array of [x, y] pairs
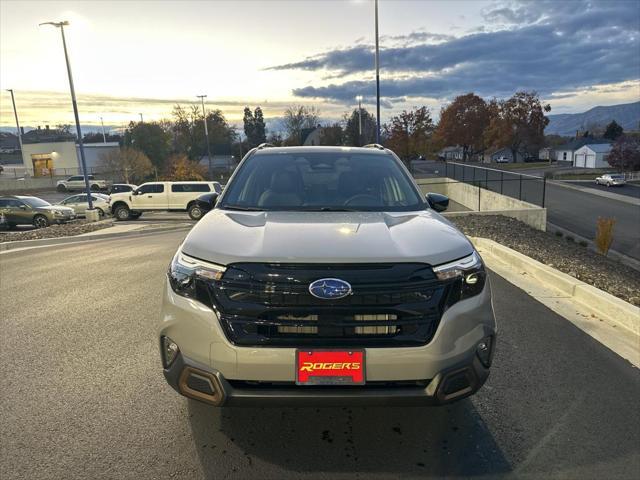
{"points": [[130, 57]]}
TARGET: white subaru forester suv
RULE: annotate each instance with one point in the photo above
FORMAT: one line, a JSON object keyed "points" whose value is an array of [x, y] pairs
{"points": [[323, 276]]}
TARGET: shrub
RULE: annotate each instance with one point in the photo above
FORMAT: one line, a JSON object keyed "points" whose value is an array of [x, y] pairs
{"points": [[558, 233], [604, 234], [582, 243], [570, 239]]}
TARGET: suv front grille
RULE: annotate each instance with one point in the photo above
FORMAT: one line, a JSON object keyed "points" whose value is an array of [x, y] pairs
{"points": [[270, 304]]}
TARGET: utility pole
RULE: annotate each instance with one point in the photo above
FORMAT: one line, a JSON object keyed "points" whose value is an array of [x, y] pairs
{"points": [[104, 137], [206, 130], [15, 113], [377, 78], [141, 119], [83, 161]]}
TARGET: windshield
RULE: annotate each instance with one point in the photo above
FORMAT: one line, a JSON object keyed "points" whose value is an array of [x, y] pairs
{"points": [[617, 177], [326, 181], [35, 202]]}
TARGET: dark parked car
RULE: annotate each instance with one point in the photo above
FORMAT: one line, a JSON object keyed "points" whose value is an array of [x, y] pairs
{"points": [[122, 187], [202, 205]]}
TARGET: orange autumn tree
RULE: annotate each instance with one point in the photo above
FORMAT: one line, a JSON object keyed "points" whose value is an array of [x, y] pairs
{"points": [[180, 168]]}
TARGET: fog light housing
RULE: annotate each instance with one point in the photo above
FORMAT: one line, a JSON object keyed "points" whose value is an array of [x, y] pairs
{"points": [[170, 351], [484, 350]]}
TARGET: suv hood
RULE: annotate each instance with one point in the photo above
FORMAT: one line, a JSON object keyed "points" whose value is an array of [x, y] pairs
{"points": [[225, 237]]}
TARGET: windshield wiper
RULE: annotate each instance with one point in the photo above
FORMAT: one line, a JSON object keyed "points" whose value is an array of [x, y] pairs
{"points": [[240, 207]]}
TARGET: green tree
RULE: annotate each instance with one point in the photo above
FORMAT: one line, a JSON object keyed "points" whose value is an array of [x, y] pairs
{"points": [[613, 131], [409, 133], [463, 123], [517, 123], [151, 139], [254, 127], [352, 128]]}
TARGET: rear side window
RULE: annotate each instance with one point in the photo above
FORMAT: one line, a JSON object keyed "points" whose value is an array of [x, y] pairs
{"points": [[190, 187], [4, 202], [152, 188]]}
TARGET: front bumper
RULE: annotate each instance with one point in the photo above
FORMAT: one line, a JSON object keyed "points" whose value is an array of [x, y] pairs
{"points": [[210, 386], [243, 375]]}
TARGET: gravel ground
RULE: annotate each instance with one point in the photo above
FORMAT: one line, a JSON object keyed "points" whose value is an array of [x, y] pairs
{"points": [[65, 230], [568, 257]]}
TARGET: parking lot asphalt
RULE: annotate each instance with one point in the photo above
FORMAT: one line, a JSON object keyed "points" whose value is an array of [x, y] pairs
{"points": [[83, 394]]}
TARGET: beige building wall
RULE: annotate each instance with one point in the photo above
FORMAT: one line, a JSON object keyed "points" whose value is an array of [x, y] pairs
{"points": [[43, 159]]}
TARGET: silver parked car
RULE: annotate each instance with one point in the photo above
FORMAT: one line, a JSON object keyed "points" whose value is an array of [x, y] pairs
{"points": [[323, 275], [611, 180], [80, 203]]}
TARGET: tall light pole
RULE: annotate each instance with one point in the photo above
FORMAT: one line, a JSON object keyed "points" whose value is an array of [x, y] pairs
{"points": [[377, 78], [104, 137], [206, 130], [83, 161], [141, 119], [15, 113], [359, 99]]}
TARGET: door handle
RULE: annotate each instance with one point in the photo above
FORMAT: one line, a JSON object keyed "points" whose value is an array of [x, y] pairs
{"points": [[150, 196]]}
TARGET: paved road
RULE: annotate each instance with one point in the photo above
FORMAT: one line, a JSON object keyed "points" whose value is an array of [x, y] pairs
{"points": [[569, 208], [83, 395], [629, 190]]}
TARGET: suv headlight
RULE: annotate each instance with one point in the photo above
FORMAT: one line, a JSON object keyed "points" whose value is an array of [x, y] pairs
{"points": [[469, 275], [185, 271]]}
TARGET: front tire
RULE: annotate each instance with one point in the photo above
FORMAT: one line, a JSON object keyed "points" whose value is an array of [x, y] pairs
{"points": [[122, 213], [61, 188], [195, 212], [95, 188], [100, 212], [40, 221]]}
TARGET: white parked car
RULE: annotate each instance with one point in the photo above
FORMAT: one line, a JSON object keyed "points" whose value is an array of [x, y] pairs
{"points": [[77, 183], [80, 204], [502, 159], [611, 180], [161, 196]]}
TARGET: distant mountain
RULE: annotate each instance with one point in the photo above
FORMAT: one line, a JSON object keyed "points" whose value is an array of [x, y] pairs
{"points": [[626, 114]]}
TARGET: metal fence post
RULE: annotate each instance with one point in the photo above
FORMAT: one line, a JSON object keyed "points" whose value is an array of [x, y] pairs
{"points": [[479, 189], [520, 193], [544, 190], [486, 178], [501, 181]]}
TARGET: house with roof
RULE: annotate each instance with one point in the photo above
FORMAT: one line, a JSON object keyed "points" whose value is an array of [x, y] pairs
{"points": [[565, 153], [451, 153], [592, 156]]}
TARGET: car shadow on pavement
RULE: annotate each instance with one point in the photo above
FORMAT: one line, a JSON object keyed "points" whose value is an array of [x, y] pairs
{"points": [[425, 441]]}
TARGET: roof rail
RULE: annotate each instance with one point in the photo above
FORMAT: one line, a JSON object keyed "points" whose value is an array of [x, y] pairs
{"points": [[264, 145], [374, 145]]}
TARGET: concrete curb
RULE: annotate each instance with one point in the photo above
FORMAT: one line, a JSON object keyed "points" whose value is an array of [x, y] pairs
{"points": [[600, 303], [21, 244]]}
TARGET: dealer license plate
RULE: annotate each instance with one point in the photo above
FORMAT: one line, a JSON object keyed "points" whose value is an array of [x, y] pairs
{"points": [[330, 367]]}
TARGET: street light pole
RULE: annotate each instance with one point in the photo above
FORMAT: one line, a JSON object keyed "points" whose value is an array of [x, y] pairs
{"points": [[141, 119], [206, 130], [15, 113], [83, 161], [377, 78], [104, 137]]}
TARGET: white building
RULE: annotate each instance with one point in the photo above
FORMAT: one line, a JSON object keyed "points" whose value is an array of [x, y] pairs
{"points": [[592, 156], [62, 158]]}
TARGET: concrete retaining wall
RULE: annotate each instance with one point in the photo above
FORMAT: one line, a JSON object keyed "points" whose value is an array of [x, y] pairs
{"points": [[485, 202], [39, 183]]}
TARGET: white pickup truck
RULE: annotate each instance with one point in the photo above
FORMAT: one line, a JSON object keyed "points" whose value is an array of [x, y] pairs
{"points": [[161, 196], [77, 183]]}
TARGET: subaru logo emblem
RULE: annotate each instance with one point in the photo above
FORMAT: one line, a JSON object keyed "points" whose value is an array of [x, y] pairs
{"points": [[330, 288]]}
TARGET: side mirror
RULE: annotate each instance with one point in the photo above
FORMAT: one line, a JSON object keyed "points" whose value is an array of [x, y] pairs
{"points": [[23, 207], [135, 192], [437, 201], [207, 201]]}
